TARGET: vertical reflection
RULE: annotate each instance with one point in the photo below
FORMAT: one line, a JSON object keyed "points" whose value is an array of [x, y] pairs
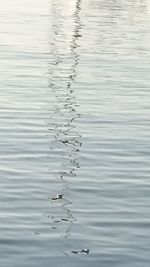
{"points": [[66, 143]]}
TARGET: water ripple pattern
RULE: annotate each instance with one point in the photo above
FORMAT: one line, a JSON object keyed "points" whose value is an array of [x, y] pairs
{"points": [[75, 133], [65, 139]]}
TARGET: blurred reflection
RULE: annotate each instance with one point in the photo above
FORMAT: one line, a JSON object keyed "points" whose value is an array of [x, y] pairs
{"points": [[62, 75], [119, 26]]}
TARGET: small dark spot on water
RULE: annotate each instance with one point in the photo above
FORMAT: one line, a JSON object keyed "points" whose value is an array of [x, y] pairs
{"points": [[83, 251], [77, 35], [64, 141], [65, 220], [75, 252], [58, 196]]}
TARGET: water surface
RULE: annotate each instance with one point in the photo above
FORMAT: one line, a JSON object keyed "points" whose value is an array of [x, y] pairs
{"points": [[74, 116]]}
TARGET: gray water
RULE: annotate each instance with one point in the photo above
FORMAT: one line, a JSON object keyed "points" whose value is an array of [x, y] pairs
{"points": [[75, 120]]}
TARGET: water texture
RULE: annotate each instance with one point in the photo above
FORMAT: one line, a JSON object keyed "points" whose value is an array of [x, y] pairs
{"points": [[75, 133]]}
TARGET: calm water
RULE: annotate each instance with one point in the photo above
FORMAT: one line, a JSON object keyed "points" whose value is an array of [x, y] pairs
{"points": [[75, 120]]}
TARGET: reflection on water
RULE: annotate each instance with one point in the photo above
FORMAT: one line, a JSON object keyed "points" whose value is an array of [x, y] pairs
{"points": [[81, 188], [62, 75], [120, 29]]}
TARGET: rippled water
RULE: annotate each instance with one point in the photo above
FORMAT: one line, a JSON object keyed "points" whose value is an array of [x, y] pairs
{"points": [[74, 116]]}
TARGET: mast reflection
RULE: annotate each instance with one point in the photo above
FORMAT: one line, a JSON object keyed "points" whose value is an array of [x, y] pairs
{"points": [[62, 76]]}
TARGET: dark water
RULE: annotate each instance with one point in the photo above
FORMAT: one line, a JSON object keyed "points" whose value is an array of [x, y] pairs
{"points": [[74, 116]]}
